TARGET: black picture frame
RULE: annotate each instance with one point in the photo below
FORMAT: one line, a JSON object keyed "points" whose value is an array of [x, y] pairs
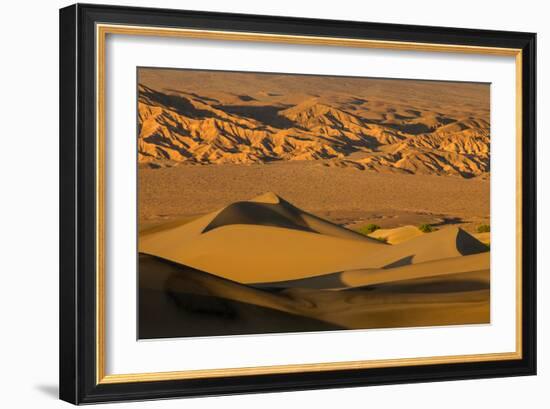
{"points": [[78, 258]]}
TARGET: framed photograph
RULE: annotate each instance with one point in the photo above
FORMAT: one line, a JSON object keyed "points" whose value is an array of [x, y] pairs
{"points": [[257, 203]]}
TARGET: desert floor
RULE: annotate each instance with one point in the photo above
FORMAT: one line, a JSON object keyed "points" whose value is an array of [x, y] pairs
{"points": [[343, 196]]}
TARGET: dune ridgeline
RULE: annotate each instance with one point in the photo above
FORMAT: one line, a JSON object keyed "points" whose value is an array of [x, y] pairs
{"points": [[265, 266]]}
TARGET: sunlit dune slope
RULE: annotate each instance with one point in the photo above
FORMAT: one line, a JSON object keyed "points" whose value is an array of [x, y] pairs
{"points": [[397, 235], [375, 276], [267, 239], [483, 237]]}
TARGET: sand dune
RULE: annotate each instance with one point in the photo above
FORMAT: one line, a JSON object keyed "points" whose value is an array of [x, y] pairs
{"points": [[373, 276], [178, 301], [398, 234], [264, 265], [236, 243], [448, 242], [268, 239], [271, 210]]}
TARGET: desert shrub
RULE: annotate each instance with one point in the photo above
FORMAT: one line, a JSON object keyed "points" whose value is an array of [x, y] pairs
{"points": [[369, 228], [426, 228], [483, 228]]}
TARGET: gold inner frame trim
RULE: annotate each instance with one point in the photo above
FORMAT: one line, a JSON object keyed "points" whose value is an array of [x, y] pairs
{"points": [[101, 33]]}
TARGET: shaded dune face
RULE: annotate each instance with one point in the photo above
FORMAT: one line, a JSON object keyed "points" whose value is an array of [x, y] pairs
{"points": [[262, 214], [467, 244], [178, 301], [270, 209]]}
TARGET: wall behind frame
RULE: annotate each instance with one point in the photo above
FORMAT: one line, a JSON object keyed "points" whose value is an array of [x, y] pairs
{"points": [[29, 209]]}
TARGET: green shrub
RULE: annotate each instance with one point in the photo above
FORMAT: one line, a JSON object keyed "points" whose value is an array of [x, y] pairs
{"points": [[483, 228], [368, 229], [372, 227], [426, 228]]}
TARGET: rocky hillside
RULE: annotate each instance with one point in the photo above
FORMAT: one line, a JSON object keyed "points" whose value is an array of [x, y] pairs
{"points": [[412, 131]]}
